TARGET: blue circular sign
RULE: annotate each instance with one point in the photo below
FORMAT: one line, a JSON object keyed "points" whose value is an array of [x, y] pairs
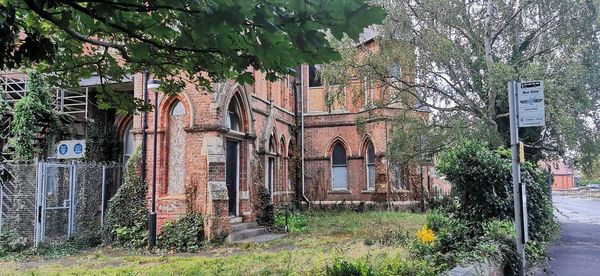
{"points": [[62, 149], [78, 148]]}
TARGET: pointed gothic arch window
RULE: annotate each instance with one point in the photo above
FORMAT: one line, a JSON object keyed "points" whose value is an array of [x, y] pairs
{"points": [[233, 116], [370, 165], [128, 142], [339, 167]]}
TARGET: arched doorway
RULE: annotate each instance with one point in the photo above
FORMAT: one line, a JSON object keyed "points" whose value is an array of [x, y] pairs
{"points": [[234, 123]]}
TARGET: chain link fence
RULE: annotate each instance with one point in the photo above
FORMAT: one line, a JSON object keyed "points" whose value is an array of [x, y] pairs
{"points": [[53, 201]]}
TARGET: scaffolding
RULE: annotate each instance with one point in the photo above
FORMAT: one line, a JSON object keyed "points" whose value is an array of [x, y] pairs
{"points": [[14, 86], [70, 101]]}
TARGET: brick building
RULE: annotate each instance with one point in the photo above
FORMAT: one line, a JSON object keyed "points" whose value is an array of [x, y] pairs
{"points": [[563, 177], [214, 149]]}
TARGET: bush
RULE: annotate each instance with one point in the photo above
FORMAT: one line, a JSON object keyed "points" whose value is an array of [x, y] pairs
{"points": [[126, 220], [479, 224], [297, 222], [346, 268], [481, 181], [185, 234], [482, 184], [10, 244], [406, 267]]}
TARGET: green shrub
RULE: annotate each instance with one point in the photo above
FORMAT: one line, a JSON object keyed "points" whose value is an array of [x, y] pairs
{"points": [[297, 222], [348, 268], [481, 181], [482, 184], [397, 266], [10, 244], [184, 235], [126, 220]]}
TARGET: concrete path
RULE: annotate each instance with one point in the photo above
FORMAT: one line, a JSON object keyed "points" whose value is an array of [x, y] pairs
{"points": [[577, 252]]}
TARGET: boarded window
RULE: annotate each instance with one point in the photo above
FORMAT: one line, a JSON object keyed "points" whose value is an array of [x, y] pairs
{"points": [[176, 149]]}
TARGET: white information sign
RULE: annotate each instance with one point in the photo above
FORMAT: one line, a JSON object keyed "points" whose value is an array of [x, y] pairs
{"points": [[530, 104], [70, 149]]}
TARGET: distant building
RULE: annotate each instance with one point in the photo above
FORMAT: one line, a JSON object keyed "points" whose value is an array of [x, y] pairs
{"points": [[563, 177]]}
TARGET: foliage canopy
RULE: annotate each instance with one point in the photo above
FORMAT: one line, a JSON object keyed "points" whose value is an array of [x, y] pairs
{"points": [[454, 58], [203, 41]]}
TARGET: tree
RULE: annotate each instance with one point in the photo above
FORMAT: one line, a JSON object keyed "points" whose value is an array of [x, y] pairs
{"points": [[456, 58], [202, 41]]}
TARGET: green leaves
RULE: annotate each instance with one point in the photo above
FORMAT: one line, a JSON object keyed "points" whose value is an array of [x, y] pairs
{"points": [[180, 39]]}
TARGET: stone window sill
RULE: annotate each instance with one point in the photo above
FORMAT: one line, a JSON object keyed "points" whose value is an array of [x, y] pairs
{"points": [[367, 191], [339, 192]]}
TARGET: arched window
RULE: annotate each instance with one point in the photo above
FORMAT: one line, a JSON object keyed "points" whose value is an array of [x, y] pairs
{"points": [[233, 116], [339, 167], [370, 163], [127, 141], [176, 172], [178, 109], [271, 166], [282, 177]]}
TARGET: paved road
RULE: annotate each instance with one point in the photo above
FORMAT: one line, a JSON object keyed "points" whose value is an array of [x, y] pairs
{"points": [[578, 250]]}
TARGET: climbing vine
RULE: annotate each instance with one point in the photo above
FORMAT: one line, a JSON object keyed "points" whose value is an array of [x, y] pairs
{"points": [[35, 123], [126, 219], [101, 140]]}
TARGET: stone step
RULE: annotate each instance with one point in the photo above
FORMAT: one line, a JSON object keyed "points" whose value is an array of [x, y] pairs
{"points": [[243, 226], [264, 238], [247, 233], [236, 220]]}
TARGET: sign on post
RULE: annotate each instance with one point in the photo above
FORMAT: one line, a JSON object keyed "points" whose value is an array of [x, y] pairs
{"points": [[530, 104], [70, 149], [526, 109]]}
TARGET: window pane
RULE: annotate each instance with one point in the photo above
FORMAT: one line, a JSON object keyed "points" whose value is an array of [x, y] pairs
{"points": [[370, 154], [371, 169], [270, 175], [397, 178], [340, 177], [313, 78], [178, 109], [339, 155]]}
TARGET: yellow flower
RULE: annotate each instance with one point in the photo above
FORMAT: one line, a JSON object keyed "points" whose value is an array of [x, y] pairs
{"points": [[425, 235]]}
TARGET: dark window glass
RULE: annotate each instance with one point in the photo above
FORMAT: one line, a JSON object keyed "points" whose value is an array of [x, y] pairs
{"points": [[233, 119], [314, 80], [339, 155], [370, 154]]}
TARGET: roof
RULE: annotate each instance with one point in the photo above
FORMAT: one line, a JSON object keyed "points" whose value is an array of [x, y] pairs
{"points": [[556, 167]]}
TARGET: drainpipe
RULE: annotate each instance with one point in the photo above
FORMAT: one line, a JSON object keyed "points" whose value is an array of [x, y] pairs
{"points": [[302, 132], [144, 127]]}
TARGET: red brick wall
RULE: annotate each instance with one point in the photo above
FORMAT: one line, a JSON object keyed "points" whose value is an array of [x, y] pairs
{"points": [[206, 135], [562, 182]]}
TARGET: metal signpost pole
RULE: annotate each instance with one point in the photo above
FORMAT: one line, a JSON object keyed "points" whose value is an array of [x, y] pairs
{"points": [[516, 173]]}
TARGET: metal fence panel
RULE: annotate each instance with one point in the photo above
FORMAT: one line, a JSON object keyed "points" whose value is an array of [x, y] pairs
{"points": [[52, 201]]}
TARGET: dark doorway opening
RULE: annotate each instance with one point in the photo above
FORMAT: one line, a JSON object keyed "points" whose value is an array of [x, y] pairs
{"points": [[232, 175]]}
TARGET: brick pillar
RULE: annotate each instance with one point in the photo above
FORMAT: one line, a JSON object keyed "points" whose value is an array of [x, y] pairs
{"points": [[216, 218]]}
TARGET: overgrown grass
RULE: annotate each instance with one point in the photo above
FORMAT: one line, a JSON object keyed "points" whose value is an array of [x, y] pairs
{"points": [[327, 236]]}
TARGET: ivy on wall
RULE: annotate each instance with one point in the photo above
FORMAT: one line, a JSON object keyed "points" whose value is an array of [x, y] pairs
{"points": [[101, 140], [126, 221], [35, 123]]}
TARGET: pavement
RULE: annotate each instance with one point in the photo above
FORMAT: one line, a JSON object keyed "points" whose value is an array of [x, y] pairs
{"points": [[577, 252]]}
